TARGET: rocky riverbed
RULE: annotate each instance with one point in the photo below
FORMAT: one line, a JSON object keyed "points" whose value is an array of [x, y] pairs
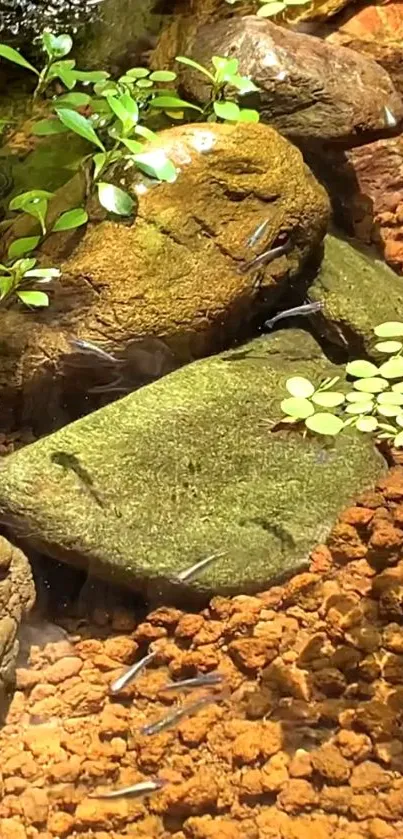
{"points": [[308, 740]]}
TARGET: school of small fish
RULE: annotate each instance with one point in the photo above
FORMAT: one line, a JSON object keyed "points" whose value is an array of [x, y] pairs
{"points": [[178, 713]]}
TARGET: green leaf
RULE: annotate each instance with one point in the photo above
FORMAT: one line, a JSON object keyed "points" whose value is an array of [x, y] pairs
{"points": [[361, 369], [70, 220], [20, 247], [357, 397], [297, 408], [328, 398], [64, 70], [227, 110], [189, 61], [359, 407], [398, 387], [173, 102], [393, 368], [6, 285], [398, 441], [328, 383], [45, 127], [390, 398], [300, 387], [56, 46], [389, 329], [162, 76], [156, 164], [138, 73], [389, 347], [126, 110], [324, 424], [144, 83], [399, 420], [367, 424], [133, 145], [225, 67], [271, 9], [243, 84], [149, 135], [80, 125], [99, 163], [373, 385], [388, 410], [24, 199], [74, 100], [13, 55], [91, 75], [38, 210], [24, 265], [115, 200], [248, 115], [33, 298]]}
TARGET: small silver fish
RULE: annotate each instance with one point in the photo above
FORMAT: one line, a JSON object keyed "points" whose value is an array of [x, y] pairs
{"points": [[305, 309], [266, 257], [194, 569], [257, 234], [178, 714], [198, 681], [142, 788], [93, 349], [130, 674]]}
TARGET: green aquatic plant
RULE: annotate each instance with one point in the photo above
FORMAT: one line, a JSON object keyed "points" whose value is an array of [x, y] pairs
{"points": [[305, 403], [374, 402], [224, 74], [18, 275], [275, 8]]}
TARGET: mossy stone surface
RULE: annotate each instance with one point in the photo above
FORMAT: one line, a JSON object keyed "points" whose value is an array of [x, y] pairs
{"points": [[188, 466], [358, 292]]}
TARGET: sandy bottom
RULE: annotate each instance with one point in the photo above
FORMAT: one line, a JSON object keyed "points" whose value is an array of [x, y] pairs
{"points": [[308, 743]]}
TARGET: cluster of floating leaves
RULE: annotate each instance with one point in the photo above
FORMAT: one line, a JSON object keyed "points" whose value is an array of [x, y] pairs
{"points": [[373, 405]]}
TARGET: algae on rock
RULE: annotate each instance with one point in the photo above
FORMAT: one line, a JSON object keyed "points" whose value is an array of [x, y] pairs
{"points": [[188, 466]]}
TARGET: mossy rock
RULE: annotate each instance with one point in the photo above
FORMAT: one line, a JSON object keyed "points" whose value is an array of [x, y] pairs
{"points": [[358, 291], [185, 467]]}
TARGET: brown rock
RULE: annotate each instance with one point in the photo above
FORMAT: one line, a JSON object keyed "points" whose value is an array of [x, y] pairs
{"points": [[369, 776], [17, 597], [321, 101], [251, 653], [289, 681], [63, 669], [330, 764], [376, 31], [297, 795], [354, 746], [336, 799], [60, 823]]}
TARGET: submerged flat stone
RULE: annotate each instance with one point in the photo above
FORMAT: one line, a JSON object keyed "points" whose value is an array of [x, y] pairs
{"points": [[188, 466]]}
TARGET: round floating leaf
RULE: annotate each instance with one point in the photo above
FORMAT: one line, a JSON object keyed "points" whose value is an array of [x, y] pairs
{"points": [[138, 72], [389, 329], [298, 408], [271, 9], [324, 424], [373, 385], [399, 420], [328, 399], [162, 76], [359, 407], [398, 441], [398, 387], [367, 424], [227, 110], [361, 369], [393, 368], [300, 387], [33, 298], [70, 219], [357, 397], [389, 347], [114, 199], [390, 398], [388, 410]]}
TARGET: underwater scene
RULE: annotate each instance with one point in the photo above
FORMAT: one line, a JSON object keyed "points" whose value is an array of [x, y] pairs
{"points": [[201, 419]]}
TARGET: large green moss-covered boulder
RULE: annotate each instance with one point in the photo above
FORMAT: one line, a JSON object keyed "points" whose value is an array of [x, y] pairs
{"points": [[186, 467]]}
